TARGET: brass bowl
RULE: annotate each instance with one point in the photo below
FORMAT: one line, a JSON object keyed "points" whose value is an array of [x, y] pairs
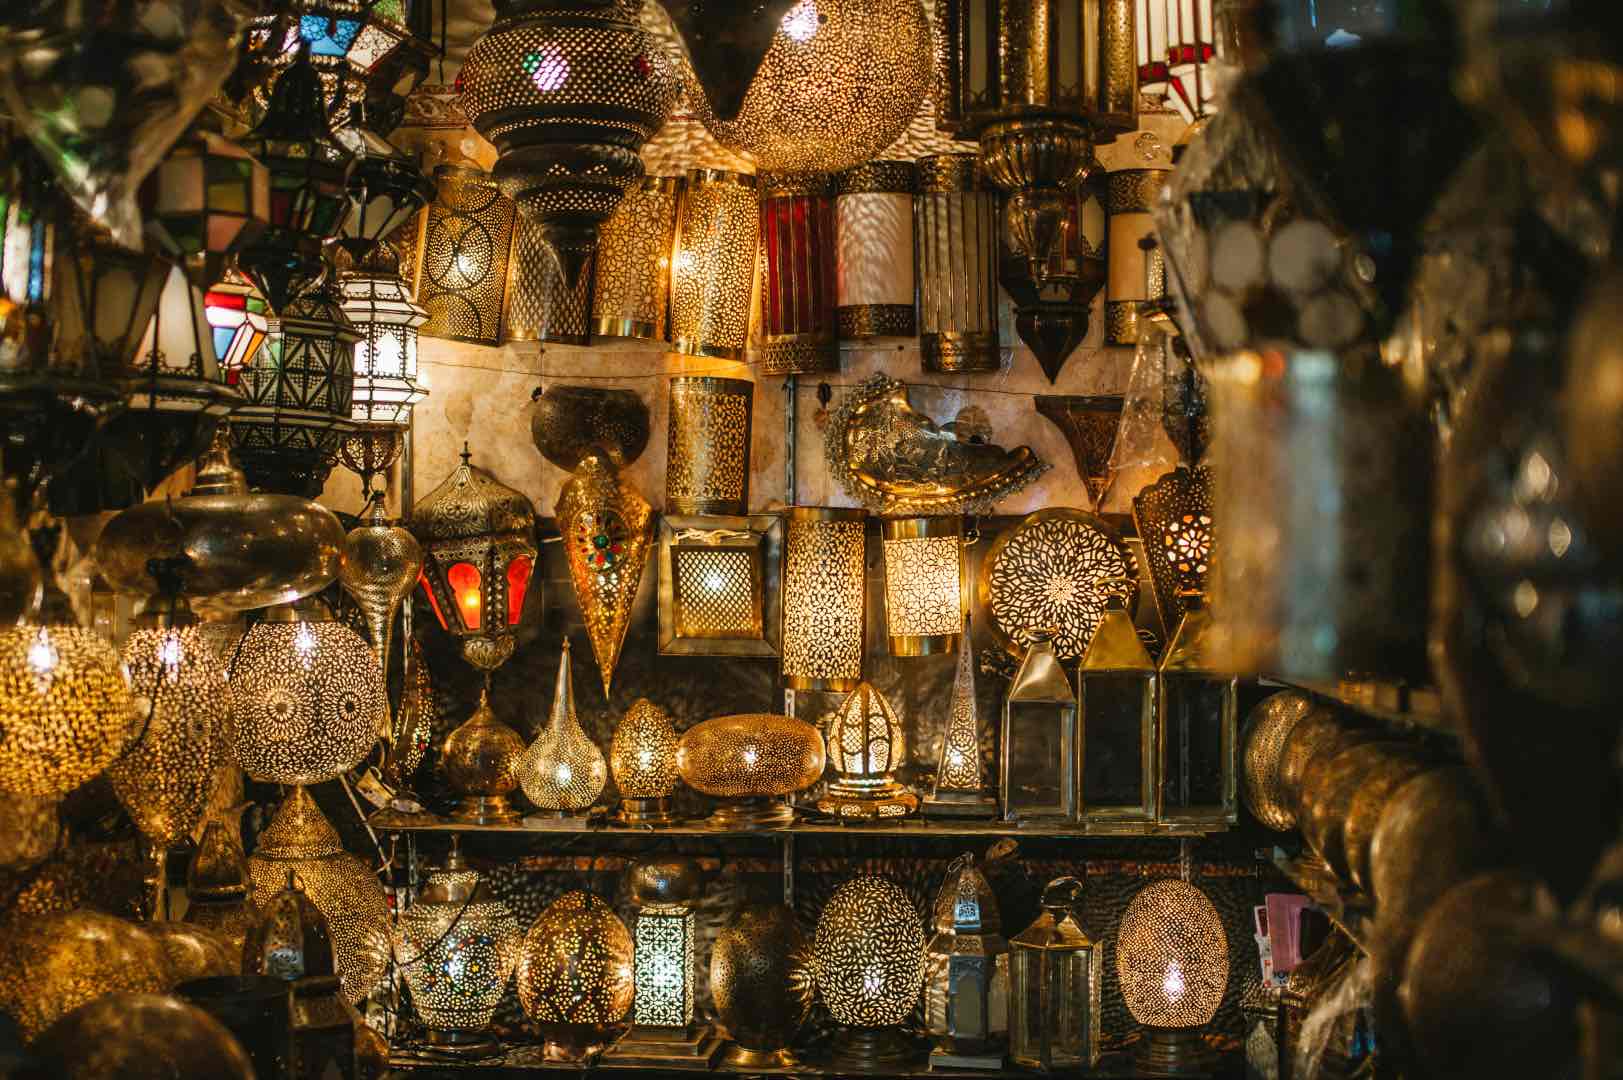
{"points": [[1267, 726], [141, 1037], [666, 879], [568, 421], [762, 980], [1328, 788], [1434, 832], [750, 755]]}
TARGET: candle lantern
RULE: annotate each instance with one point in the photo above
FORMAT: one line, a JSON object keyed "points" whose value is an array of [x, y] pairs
{"points": [[541, 304], [642, 757], [385, 386], [960, 784], [823, 594], [1137, 270], [238, 316], [873, 226], [1116, 748], [1055, 974], [869, 949], [707, 459], [1199, 722], [632, 277], [464, 241], [956, 229], [1038, 779], [1173, 962], [966, 974], [718, 585], [924, 594], [866, 745], [797, 275], [714, 266], [1051, 309]]}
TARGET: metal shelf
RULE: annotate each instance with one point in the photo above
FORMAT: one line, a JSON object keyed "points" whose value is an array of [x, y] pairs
{"points": [[1398, 705]]}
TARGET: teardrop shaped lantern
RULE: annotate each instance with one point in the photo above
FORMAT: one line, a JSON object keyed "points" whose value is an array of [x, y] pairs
{"points": [[608, 529], [563, 771]]}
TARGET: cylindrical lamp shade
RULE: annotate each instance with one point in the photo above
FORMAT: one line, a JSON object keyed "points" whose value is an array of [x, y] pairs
{"points": [[797, 275], [1136, 273], [873, 227], [707, 461], [540, 304], [823, 589], [714, 266], [463, 242], [924, 595], [633, 273], [956, 223]]}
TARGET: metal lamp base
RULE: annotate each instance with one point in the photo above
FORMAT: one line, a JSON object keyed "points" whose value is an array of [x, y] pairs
{"points": [[742, 1058], [871, 1050], [463, 1044], [764, 812], [692, 1047], [881, 806], [654, 812], [1173, 1052], [485, 810]]}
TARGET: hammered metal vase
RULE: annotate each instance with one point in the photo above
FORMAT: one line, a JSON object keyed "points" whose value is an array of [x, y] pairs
{"points": [[1267, 726], [481, 761], [763, 983]]}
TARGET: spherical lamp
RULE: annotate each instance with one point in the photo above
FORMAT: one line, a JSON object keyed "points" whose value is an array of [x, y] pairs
{"points": [[869, 950], [1172, 960], [1267, 726], [866, 745], [575, 974], [763, 980], [52, 964], [68, 711], [195, 952], [752, 760], [642, 757]]}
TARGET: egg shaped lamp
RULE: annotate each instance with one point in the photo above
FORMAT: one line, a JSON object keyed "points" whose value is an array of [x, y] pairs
{"points": [[1172, 961], [866, 744], [642, 758], [751, 761], [763, 980], [575, 974], [869, 949]]}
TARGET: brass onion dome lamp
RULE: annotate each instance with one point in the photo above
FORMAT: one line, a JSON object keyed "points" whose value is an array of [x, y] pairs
{"points": [[866, 745]]}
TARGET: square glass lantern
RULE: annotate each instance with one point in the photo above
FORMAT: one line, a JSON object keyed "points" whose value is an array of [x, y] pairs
{"points": [[1116, 745], [1038, 749], [718, 585], [1055, 973], [1198, 713]]}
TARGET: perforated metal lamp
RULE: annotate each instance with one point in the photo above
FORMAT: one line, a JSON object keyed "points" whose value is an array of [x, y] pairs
{"points": [[1172, 961], [386, 383], [866, 744]]}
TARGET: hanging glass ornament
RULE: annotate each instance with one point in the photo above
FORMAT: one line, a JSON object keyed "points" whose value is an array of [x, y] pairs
{"points": [[608, 530], [563, 770], [207, 198]]}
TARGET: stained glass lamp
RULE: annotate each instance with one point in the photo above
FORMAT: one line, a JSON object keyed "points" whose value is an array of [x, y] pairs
{"points": [[239, 319], [207, 198]]}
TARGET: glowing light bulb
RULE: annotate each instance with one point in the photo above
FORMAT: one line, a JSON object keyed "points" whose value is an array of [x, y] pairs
{"points": [[42, 655], [304, 641], [749, 755], [1173, 983], [801, 22], [714, 582], [171, 654], [645, 758], [564, 773]]}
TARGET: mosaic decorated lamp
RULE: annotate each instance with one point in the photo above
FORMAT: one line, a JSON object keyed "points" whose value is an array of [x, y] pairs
{"points": [[866, 745], [68, 708], [956, 230], [873, 227], [1172, 961], [869, 949], [713, 270], [207, 198], [563, 771], [966, 977], [1055, 975], [239, 319], [575, 975], [457, 946], [707, 459], [464, 245], [1117, 751], [632, 275], [1198, 711], [1038, 748], [823, 597], [751, 761], [763, 982], [665, 892], [961, 788], [797, 275], [642, 758], [925, 599]]}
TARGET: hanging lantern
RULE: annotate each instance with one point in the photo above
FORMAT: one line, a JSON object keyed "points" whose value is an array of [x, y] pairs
{"points": [[292, 940], [541, 305], [206, 199], [386, 385], [353, 45], [966, 972], [717, 584], [811, 106], [751, 760], [797, 275], [575, 974], [714, 266], [386, 190], [1051, 312], [1137, 271], [563, 771], [299, 392], [68, 709], [924, 594], [568, 92], [309, 176], [382, 564], [1199, 721], [1174, 518], [960, 784], [1054, 981], [873, 226], [1172, 960], [866, 745], [824, 588], [632, 276], [239, 319], [1038, 780], [102, 299], [464, 242], [665, 892], [643, 759], [707, 452], [870, 966], [763, 982], [457, 947], [607, 529], [956, 230], [1117, 751]]}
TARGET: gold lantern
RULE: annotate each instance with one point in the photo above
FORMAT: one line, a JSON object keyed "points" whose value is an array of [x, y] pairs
{"points": [[956, 230], [607, 529], [797, 275], [300, 841], [665, 892], [563, 771], [68, 710], [960, 783], [541, 305], [924, 584], [457, 946], [632, 275], [382, 563], [869, 949], [718, 579], [752, 760], [1174, 519], [707, 458], [1055, 974], [1116, 752], [307, 697], [1172, 960], [966, 975], [217, 886], [53, 963], [1137, 270], [1038, 748], [713, 269], [812, 105], [823, 592], [1198, 711], [762, 978], [292, 939], [866, 745], [873, 228], [481, 759], [464, 241], [575, 974], [643, 759]]}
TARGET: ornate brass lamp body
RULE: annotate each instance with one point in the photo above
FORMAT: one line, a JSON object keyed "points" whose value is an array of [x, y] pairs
{"points": [[1199, 723], [752, 760], [966, 975], [643, 759], [1051, 313], [541, 304], [1117, 753], [718, 585], [823, 594], [482, 759], [1173, 962], [762, 978], [707, 458], [1038, 748], [217, 886], [608, 529], [575, 974], [956, 226], [68, 708], [563, 771], [924, 584], [382, 564], [869, 947], [714, 265], [960, 783], [464, 246], [1055, 975], [866, 745], [632, 274], [1137, 268]]}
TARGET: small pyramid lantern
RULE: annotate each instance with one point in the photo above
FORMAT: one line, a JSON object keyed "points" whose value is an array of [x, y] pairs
{"points": [[961, 788]]}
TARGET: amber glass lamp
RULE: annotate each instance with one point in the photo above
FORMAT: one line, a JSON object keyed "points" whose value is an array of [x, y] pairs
{"points": [[924, 593], [751, 760], [869, 949], [642, 757], [866, 745], [1054, 983], [68, 710], [575, 974], [563, 771], [1172, 960], [966, 978]]}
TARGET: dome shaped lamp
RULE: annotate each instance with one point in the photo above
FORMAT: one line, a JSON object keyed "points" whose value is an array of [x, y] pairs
{"points": [[642, 758], [763, 981], [869, 950], [866, 745], [751, 761], [1173, 963], [575, 975], [966, 977]]}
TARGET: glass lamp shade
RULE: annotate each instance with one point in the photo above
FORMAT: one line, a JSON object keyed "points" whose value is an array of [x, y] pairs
{"points": [[873, 224], [1136, 273], [924, 593], [866, 745], [1117, 739], [1199, 720], [957, 235], [350, 43], [58, 961], [756, 758], [183, 702], [386, 188], [464, 243], [207, 198], [869, 950], [68, 712], [663, 950], [1055, 974], [563, 770], [237, 317], [713, 270], [575, 973], [1177, 45], [102, 299], [1172, 961], [966, 977], [763, 980], [798, 255], [811, 105], [381, 309], [307, 699], [1038, 748], [632, 275], [642, 757], [823, 598]]}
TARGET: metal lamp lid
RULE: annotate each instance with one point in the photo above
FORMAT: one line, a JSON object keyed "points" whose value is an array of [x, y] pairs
{"points": [[471, 503], [1041, 678], [1057, 927], [1116, 645], [1192, 646], [965, 904]]}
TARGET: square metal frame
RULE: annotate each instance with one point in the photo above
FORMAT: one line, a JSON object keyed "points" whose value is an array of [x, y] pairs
{"points": [[759, 534]]}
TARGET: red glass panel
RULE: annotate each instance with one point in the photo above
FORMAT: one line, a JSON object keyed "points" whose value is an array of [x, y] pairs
{"points": [[518, 584], [428, 591], [464, 581], [797, 288]]}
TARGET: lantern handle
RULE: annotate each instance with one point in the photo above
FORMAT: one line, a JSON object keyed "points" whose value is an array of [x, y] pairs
{"points": [[1062, 894]]}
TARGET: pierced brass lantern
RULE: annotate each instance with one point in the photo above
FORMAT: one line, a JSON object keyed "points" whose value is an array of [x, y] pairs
{"points": [[752, 760], [575, 974], [1172, 960], [866, 745], [481, 759], [823, 594], [869, 950], [763, 980], [960, 783], [925, 598], [608, 529], [68, 712], [966, 975], [665, 892], [643, 759], [56, 962], [563, 771], [1055, 975]]}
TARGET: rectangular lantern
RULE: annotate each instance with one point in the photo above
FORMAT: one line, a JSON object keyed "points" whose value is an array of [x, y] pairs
{"points": [[1137, 271], [707, 455], [540, 304], [873, 223], [1199, 716], [718, 585], [823, 590], [924, 588], [1116, 747], [631, 291], [966, 972], [1055, 974], [1038, 752], [797, 275], [956, 224], [713, 270], [464, 239], [663, 967]]}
